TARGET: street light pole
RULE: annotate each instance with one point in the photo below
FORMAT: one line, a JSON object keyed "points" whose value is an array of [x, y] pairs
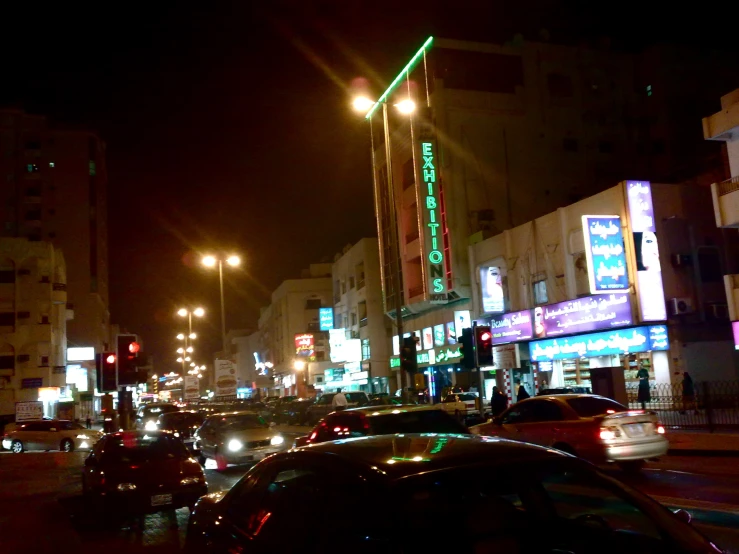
{"points": [[223, 305]]}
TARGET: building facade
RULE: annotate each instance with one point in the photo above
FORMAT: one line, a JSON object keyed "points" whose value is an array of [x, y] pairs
{"points": [[33, 325]]}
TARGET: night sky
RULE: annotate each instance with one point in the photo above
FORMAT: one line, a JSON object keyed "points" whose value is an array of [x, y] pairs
{"points": [[228, 124]]}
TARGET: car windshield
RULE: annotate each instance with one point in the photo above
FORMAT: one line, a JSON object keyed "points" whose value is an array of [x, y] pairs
{"points": [[129, 448], [355, 396], [589, 406], [467, 397], [420, 421], [150, 411], [243, 421], [326, 399]]}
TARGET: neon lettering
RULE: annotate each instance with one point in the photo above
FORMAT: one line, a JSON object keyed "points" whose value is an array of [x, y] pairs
{"points": [[433, 221]]}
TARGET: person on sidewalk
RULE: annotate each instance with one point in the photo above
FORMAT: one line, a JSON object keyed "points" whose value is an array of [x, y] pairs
{"points": [[498, 403], [339, 401], [688, 393], [521, 393], [643, 395]]}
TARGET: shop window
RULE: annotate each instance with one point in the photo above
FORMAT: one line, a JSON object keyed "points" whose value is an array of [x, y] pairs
{"points": [[366, 349], [540, 292]]}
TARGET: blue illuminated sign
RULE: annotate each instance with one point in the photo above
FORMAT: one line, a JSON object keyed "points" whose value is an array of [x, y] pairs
{"points": [[604, 249], [609, 343], [326, 318]]}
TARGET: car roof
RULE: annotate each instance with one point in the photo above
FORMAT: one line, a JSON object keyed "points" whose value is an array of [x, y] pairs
{"points": [[567, 396], [406, 454], [370, 411], [234, 413]]}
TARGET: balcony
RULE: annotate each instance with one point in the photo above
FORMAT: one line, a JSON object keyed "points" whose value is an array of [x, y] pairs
{"points": [[59, 293], [725, 197], [363, 322]]}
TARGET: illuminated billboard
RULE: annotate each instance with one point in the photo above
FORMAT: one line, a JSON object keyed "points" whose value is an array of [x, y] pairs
{"points": [[604, 250], [492, 292]]}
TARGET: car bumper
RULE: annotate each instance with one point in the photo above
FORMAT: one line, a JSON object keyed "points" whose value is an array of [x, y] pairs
{"points": [[637, 451], [140, 502], [251, 455]]}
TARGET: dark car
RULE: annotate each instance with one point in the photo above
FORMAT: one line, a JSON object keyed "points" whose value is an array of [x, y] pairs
{"points": [[135, 472], [323, 405], [147, 415], [421, 493], [294, 412], [385, 420], [182, 424]]}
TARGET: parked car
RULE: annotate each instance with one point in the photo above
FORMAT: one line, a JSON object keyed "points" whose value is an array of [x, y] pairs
{"points": [[455, 493], [322, 405], [54, 434], [593, 427], [294, 412], [135, 472], [460, 404], [147, 415], [236, 438], [361, 422], [183, 424]]}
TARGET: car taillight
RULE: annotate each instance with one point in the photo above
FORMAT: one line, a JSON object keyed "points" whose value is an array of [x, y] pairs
{"points": [[609, 433], [660, 430]]}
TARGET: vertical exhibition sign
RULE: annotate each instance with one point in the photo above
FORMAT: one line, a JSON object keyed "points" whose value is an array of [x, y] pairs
{"points": [[433, 225], [646, 250], [604, 250]]}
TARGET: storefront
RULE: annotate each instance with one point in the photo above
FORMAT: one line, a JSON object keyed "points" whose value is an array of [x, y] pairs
{"points": [[439, 368]]}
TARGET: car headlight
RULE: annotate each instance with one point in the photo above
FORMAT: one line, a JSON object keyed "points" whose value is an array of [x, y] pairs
{"points": [[234, 445], [190, 481], [150, 426], [83, 437], [277, 440], [124, 487]]}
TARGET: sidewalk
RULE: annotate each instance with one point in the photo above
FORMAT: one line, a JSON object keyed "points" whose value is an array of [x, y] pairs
{"points": [[702, 443]]}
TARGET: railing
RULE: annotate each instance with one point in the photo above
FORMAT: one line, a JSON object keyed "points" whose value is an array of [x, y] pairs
{"points": [[714, 405], [728, 186]]}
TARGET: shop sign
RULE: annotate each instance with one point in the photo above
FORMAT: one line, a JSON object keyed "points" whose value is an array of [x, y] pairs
{"points": [[359, 375], [192, 387], [604, 250], [492, 292], [336, 341], [352, 367], [592, 313], [353, 350], [511, 327], [80, 354], [449, 354], [735, 329], [462, 320], [225, 375], [394, 361], [428, 338], [326, 319], [646, 249], [29, 411], [610, 343], [439, 339], [305, 345], [451, 333], [506, 356], [433, 225]]}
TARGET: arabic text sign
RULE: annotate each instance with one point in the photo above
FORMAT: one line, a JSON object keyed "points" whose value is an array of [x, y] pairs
{"points": [[511, 327], [582, 315], [609, 343], [305, 345], [604, 249], [326, 318], [192, 387], [29, 411]]}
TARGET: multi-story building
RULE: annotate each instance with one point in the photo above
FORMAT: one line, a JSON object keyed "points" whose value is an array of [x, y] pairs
{"points": [[55, 189], [359, 316], [499, 136], [33, 324], [290, 331]]}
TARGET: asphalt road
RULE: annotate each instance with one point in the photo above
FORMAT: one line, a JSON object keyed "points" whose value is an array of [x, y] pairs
{"points": [[41, 509]]}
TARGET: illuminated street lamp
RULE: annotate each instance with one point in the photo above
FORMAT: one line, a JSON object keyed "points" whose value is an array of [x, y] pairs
{"points": [[299, 365], [180, 350], [189, 349], [192, 336], [180, 359], [181, 336], [212, 261]]}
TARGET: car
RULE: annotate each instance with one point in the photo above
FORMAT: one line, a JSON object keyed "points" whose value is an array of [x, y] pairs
{"points": [[382, 420], [294, 412], [147, 414], [434, 492], [236, 438], [138, 472], [460, 404], [55, 434], [183, 424], [593, 427], [322, 405]]}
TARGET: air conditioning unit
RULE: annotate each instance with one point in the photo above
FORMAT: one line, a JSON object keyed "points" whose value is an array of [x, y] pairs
{"points": [[681, 306]]}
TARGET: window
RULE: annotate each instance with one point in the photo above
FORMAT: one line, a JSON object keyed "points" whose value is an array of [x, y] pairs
{"points": [[351, 282], [354, 318], [658, 147], [7, 318], [488, 72], [421, 421], [586, 406], [709, 264], [7, 361], [540, 292], [559, 86], [312, 303], [408, 177], [343, 286], [51, 164], [570, 144], [366, 349], [44, 361], [545, 410], [7, 276], [32, 168]]}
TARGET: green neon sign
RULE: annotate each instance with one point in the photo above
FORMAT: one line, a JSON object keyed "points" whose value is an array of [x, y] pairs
{"points": [[407, 69], [446, 354], [432, 220]]}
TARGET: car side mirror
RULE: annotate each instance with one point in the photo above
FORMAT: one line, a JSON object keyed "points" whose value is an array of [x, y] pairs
{"points": [[683, 515]]}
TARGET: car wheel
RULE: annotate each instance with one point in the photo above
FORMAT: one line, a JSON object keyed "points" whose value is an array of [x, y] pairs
{"points": [[566, 448], [632, 466], [66, 445], [16, 447]]}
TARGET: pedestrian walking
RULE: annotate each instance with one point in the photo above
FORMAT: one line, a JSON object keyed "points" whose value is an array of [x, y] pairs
{"points": [[88, 422], [522, 393], [688, 393], [498, 403], [643, 395], [339, 402]]}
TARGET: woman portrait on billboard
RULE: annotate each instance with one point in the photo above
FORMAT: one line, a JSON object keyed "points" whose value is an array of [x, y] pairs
{"points": [[493, 295], [540, 331], [647, 251]]}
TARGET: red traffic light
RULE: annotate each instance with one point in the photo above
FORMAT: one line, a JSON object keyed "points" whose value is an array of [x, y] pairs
{"points": [[486, 336], [134, 347], [110, 359]]}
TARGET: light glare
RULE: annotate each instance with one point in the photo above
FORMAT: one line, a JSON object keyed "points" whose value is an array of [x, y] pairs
{"points": [[362, 104], [199, 312], [233, 261], [181, 337], [182, 312], [407, 106], [209, 261]]}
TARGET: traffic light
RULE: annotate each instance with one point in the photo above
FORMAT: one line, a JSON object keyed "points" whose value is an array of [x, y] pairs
{"points": [[468, 348], [408, 360], [483, 346], [127, 350], [106, 372]]}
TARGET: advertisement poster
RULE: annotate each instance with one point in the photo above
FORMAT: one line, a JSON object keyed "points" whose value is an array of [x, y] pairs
{"points": [[451, 333], [336, 342], [192, 387], [225, 373], [506, 356], [417, 337], [29, 411], [462, 320], [326, 318], [511, 327], [646, 250], [583, 315], [492, 290], [439, 338], [305, 346], [428, 338], [604, 250]]}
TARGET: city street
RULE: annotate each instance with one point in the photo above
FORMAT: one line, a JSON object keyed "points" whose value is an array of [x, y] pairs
{"points": [[41, 509]]}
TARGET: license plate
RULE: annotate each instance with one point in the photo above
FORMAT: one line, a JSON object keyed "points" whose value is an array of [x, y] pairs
{"points": [[636, 430], [161, 499]]}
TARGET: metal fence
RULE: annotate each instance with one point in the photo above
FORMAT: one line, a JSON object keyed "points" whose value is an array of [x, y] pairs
{"points": [[713, 407]]}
